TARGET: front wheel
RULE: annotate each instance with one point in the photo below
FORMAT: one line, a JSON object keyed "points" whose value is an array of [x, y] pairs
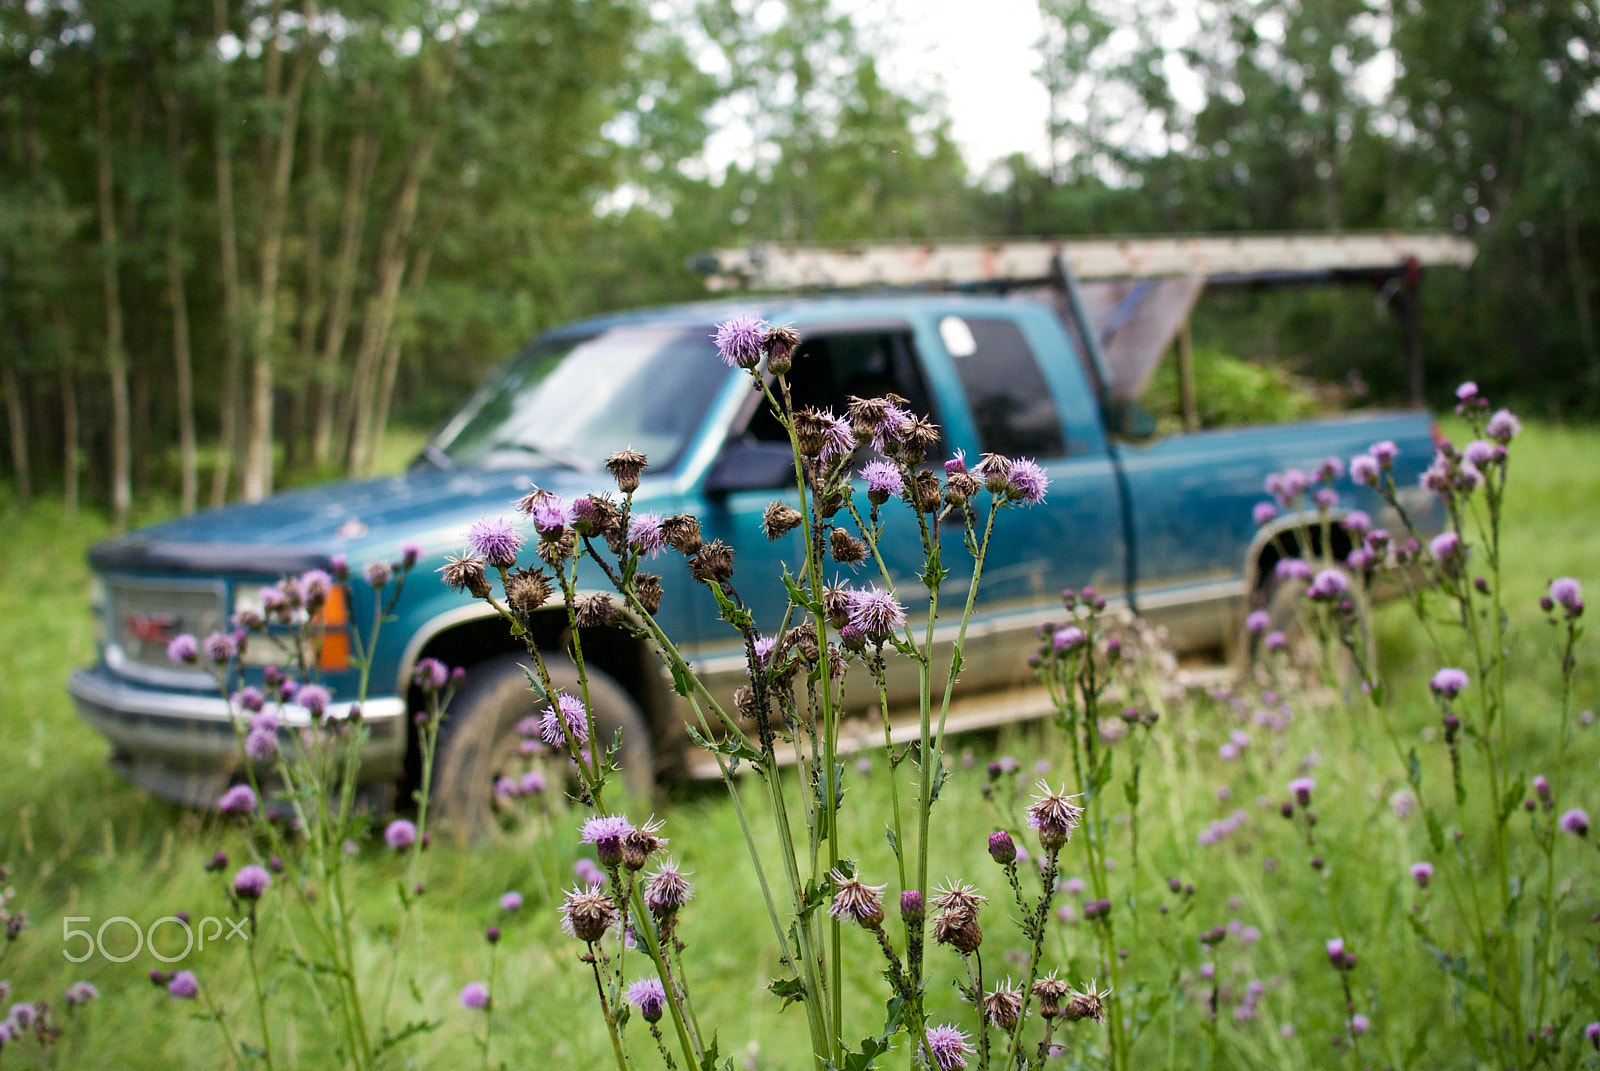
{"points": [[479, 743]]}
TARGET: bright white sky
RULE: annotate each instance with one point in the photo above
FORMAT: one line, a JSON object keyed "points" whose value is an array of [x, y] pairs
{"points": [[981, 54]]}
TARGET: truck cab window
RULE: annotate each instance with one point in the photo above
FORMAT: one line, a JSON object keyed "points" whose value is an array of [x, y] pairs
{"points": [[1011, 404], [831, 368]]}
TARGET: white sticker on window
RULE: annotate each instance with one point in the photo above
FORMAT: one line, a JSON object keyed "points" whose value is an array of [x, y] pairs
{"points": [[957, 336]]}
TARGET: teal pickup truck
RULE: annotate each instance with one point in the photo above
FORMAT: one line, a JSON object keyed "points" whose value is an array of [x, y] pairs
{"points": [[1162, 524]]}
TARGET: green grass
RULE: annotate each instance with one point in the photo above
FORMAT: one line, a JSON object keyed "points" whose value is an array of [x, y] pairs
{"points": [[79, 842]]}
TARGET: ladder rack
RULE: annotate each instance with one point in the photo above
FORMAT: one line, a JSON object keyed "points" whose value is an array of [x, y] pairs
{"points": [[1220, 259]]}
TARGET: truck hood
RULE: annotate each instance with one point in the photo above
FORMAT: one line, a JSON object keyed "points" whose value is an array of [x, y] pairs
{"points": [[303, 529]]}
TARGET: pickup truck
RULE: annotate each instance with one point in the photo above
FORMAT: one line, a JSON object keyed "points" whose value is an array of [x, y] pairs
{"points": [[1162, 525]]}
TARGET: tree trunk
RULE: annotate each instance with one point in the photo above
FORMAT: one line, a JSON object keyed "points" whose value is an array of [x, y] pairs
{"points": [[116, 359], [258, 473], [363, 161], [391, 363], [381, 305], [311, 298], [69, 443], [229, 438], [183, 367], [17, 419]]}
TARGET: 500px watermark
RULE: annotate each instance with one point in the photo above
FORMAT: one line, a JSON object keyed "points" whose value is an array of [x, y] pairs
{"points": [[210, 928]]}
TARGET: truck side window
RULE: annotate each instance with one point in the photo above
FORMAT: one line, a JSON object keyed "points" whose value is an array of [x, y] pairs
{"points": [[1011, 403], [829, 369]]}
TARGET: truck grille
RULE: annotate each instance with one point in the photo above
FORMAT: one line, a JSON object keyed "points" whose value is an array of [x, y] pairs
{"points": [[144, 616]]}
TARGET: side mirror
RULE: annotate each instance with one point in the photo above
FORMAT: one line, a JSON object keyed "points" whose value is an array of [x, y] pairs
{"points": [[1127, 419], [749, 465]]}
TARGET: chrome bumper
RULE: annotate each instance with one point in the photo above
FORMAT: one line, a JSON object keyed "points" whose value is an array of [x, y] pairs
{"points": [[183, 746]]}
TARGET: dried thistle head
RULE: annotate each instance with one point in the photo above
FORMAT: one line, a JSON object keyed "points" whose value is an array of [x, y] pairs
{"points": [[854, 899], [846, 548], [810, 431], [1050, 990], [638, 845], [1054, 815], [464, 572], [1002, 1006], [779, 520], [779, 344], [527, 590], [682, 533], [625, 466], [960, 932], [927, 492], [648, 587], [555, 551], [1088, 1003], [836, 605], [995, 469], [587, 914], [714, 563], [595, 610]]}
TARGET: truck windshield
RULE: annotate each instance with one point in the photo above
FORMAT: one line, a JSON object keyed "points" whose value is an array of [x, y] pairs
{"points": [[573, 401]]}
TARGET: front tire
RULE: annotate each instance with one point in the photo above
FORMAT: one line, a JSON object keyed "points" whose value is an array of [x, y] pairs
{"points": [[478, 742]]}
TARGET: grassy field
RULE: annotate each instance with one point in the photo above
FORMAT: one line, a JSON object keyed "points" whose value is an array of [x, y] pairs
{"points": [[78, 842]]}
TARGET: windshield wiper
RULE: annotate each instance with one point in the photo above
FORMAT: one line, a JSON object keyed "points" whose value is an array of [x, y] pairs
{"points": [[561, 456]]}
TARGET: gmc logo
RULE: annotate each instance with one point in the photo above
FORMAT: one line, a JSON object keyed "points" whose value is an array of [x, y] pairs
{"points": [[150, 628]]}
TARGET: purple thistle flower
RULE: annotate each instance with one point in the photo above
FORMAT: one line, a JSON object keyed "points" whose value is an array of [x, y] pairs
{"points": [[240, 799], [81, 993], [650, 997], [645, 534], [496, 541], [1444, 546], [184, 985], [667, 889], [1357, 522], [1300, 788], [511, 901], [378, 574], [1330, 469], [1384, 453], [1257, 622], [552, 516], [221, 648], [261, 745], [1576, 822], [1592, 1032], [739, 340], [1330, 584], [883, 480], [1067, 639], [1449, 682], [1275, 641], [566, 718], [957, 464], [430, 674], [1422, 873], [1479, 453], [1364, 470], [947, 1047], [400, 834], [1359, 1024], [875, 612], [251, 699], [1027, 482], [315, 698], [409, 553], [838, 440], [183, 649], [1263, 512], [1503, 427], [251, 882], [606, 833], [890, 428], [1326, 498], [1567, 592], [475, 996], [532, 782], [763, 648], [1293, 569]]}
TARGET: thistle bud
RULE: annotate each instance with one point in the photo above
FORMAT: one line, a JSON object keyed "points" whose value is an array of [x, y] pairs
{"points": [[1002, 849]]}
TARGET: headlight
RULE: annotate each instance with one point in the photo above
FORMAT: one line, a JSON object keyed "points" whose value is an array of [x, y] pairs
{"points": [[275, 646]]}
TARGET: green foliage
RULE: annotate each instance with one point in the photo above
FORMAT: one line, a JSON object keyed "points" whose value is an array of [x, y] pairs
{"points": [[1230, 392]]}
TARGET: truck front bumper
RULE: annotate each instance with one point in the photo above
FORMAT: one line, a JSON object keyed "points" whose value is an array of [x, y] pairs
{"points": [[182, 746]]}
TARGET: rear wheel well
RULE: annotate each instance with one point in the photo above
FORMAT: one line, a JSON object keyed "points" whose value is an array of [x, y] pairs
{"points": [[623, 658], [1305, 542]]}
